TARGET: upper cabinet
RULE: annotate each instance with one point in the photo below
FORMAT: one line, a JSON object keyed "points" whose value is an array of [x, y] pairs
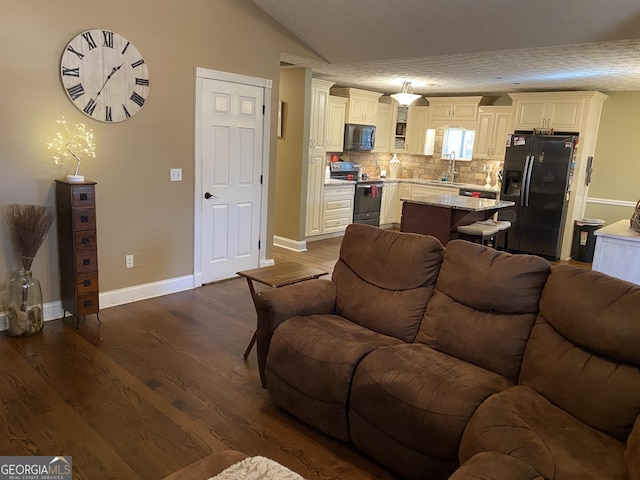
{"points": [[362, 105], [384, 117], [447, 109], [419, 143], [400, 129], [561, 111], [318, 138], [335, 127], [491, 135]]}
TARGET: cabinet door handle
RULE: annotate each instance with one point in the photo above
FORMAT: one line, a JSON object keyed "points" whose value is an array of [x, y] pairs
{"points": [[86, 261], [86, 240], [84, 218], [87, 303], [87, 283], [84, 196]]}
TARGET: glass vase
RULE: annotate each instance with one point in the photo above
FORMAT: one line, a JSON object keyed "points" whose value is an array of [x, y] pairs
{"points": [[23, 305]]}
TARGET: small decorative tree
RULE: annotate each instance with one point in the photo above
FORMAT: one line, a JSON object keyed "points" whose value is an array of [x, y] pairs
{"points": [[72, 143]]}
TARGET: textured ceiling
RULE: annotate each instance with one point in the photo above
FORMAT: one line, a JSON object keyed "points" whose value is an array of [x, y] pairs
{"points": [[467, 46]]}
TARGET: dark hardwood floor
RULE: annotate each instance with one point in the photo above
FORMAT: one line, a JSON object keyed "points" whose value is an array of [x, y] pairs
{"points": [[160, 384]]}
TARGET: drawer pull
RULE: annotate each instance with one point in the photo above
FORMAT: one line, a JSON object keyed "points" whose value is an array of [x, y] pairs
{"points": [[84, 218], [87, 303], [86, 261], [84, 196], [87, 283], [86, 240]]}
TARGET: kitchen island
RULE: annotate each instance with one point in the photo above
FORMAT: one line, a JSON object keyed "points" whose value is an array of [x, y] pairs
{"points": [[441, 215], [617, 252]]}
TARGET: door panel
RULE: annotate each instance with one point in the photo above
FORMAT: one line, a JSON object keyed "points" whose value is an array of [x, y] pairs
{"points": [[231, 136]]}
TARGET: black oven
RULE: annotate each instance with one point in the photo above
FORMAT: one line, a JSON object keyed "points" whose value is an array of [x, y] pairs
{"points": [[367, 203]]}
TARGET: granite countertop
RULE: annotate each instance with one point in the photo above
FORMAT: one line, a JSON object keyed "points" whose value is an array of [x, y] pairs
{"points": [[418, 181], [619, 229], [458, 202], [335, 181]]}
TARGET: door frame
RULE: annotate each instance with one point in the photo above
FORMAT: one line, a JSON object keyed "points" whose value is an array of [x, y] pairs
{"points": [[266, 84]]}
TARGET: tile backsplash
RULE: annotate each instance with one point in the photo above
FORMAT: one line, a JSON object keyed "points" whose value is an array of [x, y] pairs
{"points": [[427, 167]]}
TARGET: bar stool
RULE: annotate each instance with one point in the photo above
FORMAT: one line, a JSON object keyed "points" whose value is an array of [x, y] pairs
{"points": [[503, 230], [478, 232]]}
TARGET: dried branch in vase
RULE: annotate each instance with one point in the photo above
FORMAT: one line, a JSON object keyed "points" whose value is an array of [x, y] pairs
{"points": [[29, 225]]}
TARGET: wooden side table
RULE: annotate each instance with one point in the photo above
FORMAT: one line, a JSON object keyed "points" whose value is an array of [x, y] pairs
{"points": [[276, 276]]}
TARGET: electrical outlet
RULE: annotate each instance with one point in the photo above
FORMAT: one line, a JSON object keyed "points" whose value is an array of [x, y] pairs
{"points": [[176, 174], [128, 261]]}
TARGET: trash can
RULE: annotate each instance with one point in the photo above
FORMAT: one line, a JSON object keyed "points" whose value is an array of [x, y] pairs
{"points": [[584, 239]]}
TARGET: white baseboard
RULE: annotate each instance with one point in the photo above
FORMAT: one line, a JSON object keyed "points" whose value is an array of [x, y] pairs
{"points": [[268, 262], [53, 310], [144, 291], [295, 245]]}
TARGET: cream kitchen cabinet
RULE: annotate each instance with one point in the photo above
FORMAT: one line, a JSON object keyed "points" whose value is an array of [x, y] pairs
{"points": [[384, 117], [389, 208], [318, 137], [338, 207], [400, 129], [335, 124], [418, 192], [453, 108], [318, 144], [362, 105], [315, 195], [548, 110], [491, 135], [418, 130]]}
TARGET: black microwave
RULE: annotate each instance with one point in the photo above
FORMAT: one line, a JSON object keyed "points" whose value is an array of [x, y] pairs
{"points": [[359, 138]]}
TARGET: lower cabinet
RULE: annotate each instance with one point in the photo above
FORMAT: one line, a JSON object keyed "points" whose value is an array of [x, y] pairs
{"points": [[389, 208], [338, 208]]}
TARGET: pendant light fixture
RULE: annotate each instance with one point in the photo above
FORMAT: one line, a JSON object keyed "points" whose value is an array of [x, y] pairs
{"points": [[406, 96]]}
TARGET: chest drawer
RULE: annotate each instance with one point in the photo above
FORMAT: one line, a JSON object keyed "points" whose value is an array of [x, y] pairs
{"points": [[84, 219]]}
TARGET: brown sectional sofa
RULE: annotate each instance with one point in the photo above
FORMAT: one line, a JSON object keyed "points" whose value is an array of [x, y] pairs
{"points": [[465, 364]]}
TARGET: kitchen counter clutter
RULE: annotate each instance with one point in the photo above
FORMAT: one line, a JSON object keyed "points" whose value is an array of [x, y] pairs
{"points": [[617, 251]]}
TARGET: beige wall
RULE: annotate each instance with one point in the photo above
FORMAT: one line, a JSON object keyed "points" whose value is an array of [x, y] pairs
{"points": [[139, 211], [291, 164], [616, 168]]}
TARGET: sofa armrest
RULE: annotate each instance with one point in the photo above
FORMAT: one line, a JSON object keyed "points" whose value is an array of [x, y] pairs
{"points": [[311, 297], [632, 453]]}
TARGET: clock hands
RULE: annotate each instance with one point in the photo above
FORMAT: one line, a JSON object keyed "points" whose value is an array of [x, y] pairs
{"points": [[114, 70]]}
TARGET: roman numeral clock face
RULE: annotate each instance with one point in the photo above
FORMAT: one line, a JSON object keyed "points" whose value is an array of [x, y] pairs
{"points": [[104, 75]]}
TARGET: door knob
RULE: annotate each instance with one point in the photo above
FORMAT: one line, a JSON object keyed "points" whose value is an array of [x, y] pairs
{"points": [[208, 196]]}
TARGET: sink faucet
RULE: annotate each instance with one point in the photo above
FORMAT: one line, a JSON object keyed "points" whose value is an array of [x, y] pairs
{"points": [[451, 174]]}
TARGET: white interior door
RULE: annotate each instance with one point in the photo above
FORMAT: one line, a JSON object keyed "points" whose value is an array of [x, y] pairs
{"points": [[230, 142]]}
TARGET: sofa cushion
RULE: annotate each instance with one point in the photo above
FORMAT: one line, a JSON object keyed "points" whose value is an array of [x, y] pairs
{"points": [[583, 351], [385, 279], [521, 423], [495, 466], [632, 452], [311, 364], [484, 306], [419, 398]]}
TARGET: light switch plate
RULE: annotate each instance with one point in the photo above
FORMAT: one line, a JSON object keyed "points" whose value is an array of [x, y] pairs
{"points": [[176, 174]]}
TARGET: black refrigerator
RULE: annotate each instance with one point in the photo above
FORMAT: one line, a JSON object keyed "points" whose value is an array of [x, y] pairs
{"points": [[537, 177]]}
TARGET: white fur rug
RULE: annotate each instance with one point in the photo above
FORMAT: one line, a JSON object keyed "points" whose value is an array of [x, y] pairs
{"points": [[257, 468]]}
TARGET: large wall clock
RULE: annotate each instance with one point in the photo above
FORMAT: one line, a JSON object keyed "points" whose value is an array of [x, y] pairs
{"points": [[104, 75]]}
